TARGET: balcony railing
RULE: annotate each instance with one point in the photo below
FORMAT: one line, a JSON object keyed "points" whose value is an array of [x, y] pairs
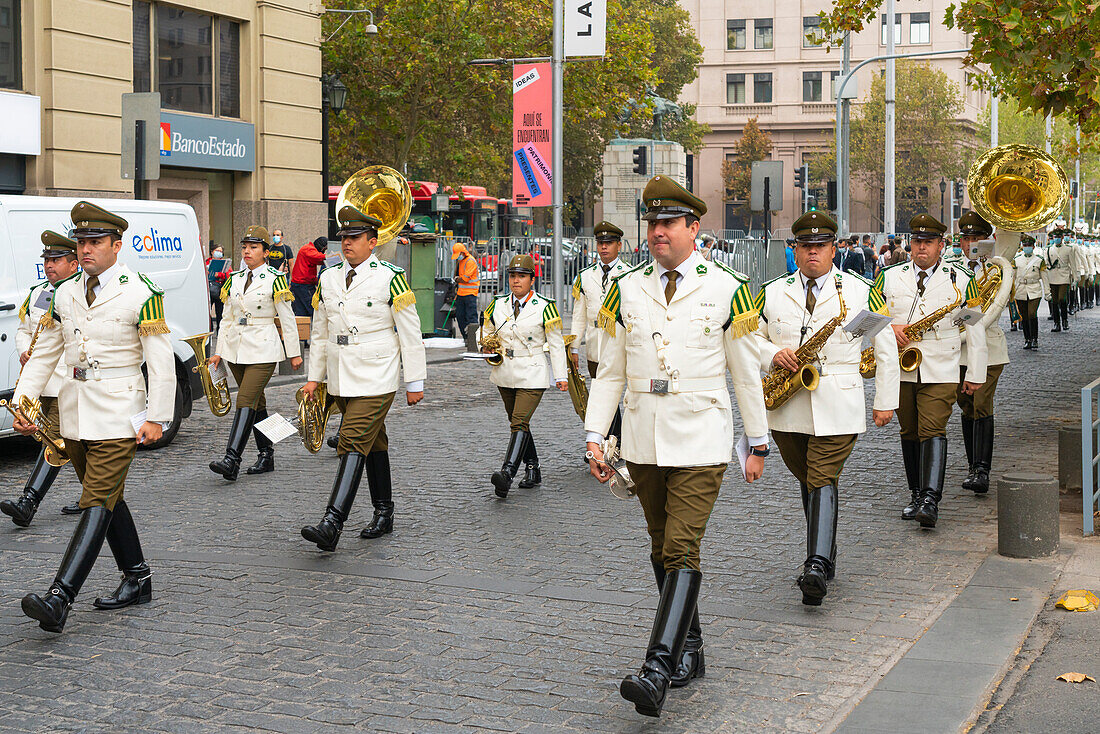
{"points": [[750, 110]]}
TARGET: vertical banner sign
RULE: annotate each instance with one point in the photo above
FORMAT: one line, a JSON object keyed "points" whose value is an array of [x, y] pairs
{"points": [[532, 93], [585, 27]]}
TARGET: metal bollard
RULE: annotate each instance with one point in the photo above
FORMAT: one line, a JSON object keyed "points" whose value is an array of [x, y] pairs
{"points": [[1027, 515], [1069, 458]]}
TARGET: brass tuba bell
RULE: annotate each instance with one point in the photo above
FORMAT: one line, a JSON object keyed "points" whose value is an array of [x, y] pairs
{"points": [[381, 192], [1018, 188]]}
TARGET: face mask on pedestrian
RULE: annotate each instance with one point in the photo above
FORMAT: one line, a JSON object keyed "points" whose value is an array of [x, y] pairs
{"points": [[957, 250], [277, 239], [218, 255], [1028, 250]]}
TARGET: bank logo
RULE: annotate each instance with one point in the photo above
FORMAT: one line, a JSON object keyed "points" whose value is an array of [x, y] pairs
{"points": [[166, 138]]}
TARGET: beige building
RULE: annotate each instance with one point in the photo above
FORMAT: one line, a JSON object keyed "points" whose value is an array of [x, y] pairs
{"points": [[240, 92], [756, 64]]}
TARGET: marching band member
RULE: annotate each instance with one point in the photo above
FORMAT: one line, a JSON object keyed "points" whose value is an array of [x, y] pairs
{"points": [[1063, 269], [111, 320], [249, 343], [977, 407], [915, 291], [816, 430], [675, 326], [364, 328], [58, 263], [589, 290], [1029, 267], [527, 324]]}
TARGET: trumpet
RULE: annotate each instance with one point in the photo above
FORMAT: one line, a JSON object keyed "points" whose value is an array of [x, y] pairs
{"points": [[217, 393], [53, 446], [313, 417]]}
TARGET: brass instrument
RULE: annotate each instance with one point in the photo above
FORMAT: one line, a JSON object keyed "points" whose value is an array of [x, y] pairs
{"points": [[1018, 188], [781, 384], [217, 393], [313, 417], [381, 192], [53, 446], [492, 343], [989, 282], [910, 358], [578, 389]]}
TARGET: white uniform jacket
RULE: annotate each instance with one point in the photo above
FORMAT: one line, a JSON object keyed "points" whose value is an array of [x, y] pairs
{"points": [[362, 334], [34, 308], [941, 346], [837, 406], [996, 343], [588, 295], [103, 347], [525, 341], [1029, 276], [257, 340], [1063, 263], [672, 361]]}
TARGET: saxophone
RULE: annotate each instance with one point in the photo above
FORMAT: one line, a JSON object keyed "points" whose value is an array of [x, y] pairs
{"points": [[910, 358], [781, 384]]}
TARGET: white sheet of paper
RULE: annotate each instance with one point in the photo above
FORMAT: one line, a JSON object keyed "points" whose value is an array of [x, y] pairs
{"points": [[219, 372], [44, 297], [968, 316], [137, 421], [866, 323], [475, 355], [742, 450], [276, 428]]}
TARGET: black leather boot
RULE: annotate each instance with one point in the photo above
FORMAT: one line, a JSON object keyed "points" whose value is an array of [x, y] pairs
{"points": [[983, 454], [1035, 333], [326, 534], [679, 598], [502, 479], [265, 462], [820, 537], [1065, 316], [73, 509], [933, 465], [532, 476], [381, 495], [692, 662], [968, 442], [137, 584], [230, 466], [910, 456], [52, 610], [22, 510]]}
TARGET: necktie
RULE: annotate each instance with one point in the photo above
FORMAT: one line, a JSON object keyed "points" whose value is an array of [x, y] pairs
{"points": [[606, 272], [811, 299], [247, 281], [90, 294], [670, 288], [351, 277], [920, 283], [516, 306]]}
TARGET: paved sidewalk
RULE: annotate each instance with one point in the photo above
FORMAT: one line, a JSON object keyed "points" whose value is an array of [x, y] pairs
{"points": [[482, 615]]}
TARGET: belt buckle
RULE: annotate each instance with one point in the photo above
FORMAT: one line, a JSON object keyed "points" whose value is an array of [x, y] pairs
{"points": [[80, 373], [342, 340], [658, 386], [509, 353], [243, 321]]}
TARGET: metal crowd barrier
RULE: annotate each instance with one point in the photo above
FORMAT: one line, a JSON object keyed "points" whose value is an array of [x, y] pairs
{"points": [[1089, 459]]}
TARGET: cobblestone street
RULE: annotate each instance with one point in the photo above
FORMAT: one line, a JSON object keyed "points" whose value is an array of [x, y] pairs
{"points": [[484, 615]]}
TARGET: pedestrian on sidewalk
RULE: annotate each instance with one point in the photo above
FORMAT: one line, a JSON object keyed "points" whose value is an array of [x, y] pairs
{"points": [[279, 254], [467, 281], [303, 277]]}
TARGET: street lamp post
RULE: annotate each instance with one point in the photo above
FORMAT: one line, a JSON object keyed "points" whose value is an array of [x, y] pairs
{"points": [[943, 190], [334, 95]]}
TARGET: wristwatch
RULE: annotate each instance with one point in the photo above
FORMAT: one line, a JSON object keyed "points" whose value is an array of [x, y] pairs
{"points": [[757, 452]]}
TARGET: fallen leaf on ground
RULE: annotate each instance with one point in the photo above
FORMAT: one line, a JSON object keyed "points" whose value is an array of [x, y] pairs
{"points": [[1076, 677], [1078, 600]]}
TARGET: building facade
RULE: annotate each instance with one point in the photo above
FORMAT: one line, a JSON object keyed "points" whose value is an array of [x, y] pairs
{"points": [[757, 63], [240, 105]]}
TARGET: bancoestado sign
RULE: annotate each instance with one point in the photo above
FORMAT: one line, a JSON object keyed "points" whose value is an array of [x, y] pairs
{"points": [[207, 142]]}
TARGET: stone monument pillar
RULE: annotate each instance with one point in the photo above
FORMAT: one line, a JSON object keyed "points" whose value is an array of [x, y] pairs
{"points": [[622, 188]]}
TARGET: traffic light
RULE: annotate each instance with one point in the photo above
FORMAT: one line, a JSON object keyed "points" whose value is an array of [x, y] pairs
{"points": [[800, 177], [830, 195], [960, 189], [811, 203], [639, 160], [1073, 189]]}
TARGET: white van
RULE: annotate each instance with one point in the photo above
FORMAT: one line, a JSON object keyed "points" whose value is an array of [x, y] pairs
{"points": [[162, 242]]}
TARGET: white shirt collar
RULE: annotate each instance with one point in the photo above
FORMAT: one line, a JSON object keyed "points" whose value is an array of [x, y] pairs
{"points": [[818, 282], [691, 262], [524, 302], [256, 269], [105, 277], [928, 272], [363, 267]]}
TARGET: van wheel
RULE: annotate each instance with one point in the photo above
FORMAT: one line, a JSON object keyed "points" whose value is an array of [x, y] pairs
{"points": [[173, 426]]}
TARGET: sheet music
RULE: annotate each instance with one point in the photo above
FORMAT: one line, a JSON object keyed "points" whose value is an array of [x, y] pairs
{"points": [[276, 428], [968, 316], [219, 372], [866, 323], [742, 451]]}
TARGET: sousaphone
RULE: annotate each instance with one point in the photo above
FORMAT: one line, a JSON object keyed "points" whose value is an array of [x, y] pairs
{"points": [[381, 192], [1018, 188]]}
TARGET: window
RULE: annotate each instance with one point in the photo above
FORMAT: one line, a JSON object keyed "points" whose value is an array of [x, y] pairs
{"points": [[735, 89], [810, 24], [191, 58], [762, 33], [11, 66], [897, 29], [762, 88], [811, 86], [919, 27], [735, 35]]}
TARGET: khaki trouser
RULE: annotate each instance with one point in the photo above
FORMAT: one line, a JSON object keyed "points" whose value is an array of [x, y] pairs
{"points": [[592, 367], [1059, 292], [924, 409], [363, 429], [1028, 309], [101, 467], [251, 381], [980, 404], [520, 402], [814, 460], [50, 411], [677, 502]]}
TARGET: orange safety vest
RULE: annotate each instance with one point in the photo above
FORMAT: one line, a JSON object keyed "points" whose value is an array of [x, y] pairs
{"points": [[468, 278]]}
